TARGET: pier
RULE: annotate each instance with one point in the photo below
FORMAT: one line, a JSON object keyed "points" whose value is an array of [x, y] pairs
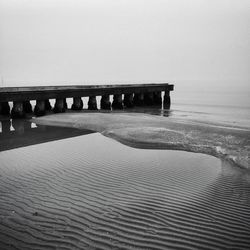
{"points": [[124, 96]]}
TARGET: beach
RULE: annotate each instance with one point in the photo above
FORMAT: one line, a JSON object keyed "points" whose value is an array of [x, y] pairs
{"points": [[145, 178], [92, 192]]}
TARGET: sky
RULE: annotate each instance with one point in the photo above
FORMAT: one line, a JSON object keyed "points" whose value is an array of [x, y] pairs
{"points": [[201, 43]]}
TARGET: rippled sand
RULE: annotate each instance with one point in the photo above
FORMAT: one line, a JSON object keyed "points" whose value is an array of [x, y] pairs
{"points": [[91, 192]]}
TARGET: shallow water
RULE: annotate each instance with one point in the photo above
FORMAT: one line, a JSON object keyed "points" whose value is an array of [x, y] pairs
{"points": [[91, 192], [227, 107]]}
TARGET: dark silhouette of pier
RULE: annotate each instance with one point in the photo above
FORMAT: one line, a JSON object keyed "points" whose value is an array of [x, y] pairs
{"points": [[124, 96]]}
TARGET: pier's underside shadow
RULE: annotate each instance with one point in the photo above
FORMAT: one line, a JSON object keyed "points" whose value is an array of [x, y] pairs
{"points": [[21, 133]]}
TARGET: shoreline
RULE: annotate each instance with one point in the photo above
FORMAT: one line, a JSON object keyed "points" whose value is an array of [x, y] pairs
{"points": [[158, 132]]}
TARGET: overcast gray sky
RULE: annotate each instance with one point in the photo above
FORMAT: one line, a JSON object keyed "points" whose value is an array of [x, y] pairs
{"points": [[71, 41]]}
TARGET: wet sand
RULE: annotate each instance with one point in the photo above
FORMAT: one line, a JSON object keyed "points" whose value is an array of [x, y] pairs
{"points": [[92, 192], [150, 131]]}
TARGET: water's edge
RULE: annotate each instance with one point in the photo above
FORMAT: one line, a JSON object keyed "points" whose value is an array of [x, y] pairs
{"points": [[155, 132]]}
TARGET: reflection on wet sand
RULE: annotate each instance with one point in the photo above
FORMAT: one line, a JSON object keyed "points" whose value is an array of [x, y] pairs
{"points": [[15, 133], [152, 111]]}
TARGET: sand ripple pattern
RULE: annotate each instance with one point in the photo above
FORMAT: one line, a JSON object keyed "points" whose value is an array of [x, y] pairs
{"points": [[91, 192]]}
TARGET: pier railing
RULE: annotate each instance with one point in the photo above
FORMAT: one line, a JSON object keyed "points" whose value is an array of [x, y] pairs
{"points": [[124, 96]]}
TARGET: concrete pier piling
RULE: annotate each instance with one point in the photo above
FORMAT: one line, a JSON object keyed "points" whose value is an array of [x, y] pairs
{"points": [[134, 95], [39, 109], [105, 102], [65, 105], [167, 100], [139, 99], [92, 104], [77, 103], [149, 98], [17, 110], [4, 108], [128, 101], [48, 106], [27, 107], [157, 98], [117, 102], [59, 106]]}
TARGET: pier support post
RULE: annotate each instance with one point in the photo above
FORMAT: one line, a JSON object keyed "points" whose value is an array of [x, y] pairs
{"points": [[128, 100], [149, 98], [117, 102], [59, 106], [157, 98], [17, 110], [92, 105], [77, 103], [4, 108], [65, 105], [139, 99], [167, 100], [39, 109], [47, 105], [105, 102], [27, 107]]}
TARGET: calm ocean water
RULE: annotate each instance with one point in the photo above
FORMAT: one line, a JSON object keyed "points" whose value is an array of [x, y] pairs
{"points": [[230, 108]]}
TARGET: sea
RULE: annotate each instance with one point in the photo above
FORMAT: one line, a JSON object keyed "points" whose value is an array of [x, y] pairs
{"points": [[226, 107]]}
